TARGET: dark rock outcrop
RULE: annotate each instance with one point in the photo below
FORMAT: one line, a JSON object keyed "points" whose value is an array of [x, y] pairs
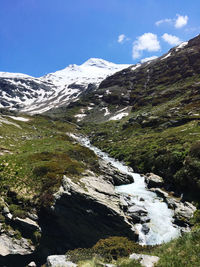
{"points": [[113, 175], [153, 180], [83, 213]]}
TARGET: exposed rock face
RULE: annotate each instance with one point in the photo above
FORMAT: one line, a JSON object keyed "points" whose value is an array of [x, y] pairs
{"points": [[153, 180], [83, 213]]}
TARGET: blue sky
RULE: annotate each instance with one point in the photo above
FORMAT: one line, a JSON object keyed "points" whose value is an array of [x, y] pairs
{"points": [[42, 36]]}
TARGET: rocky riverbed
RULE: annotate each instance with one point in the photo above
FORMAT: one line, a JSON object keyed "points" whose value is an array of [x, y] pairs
{"points": [[97, 206]]}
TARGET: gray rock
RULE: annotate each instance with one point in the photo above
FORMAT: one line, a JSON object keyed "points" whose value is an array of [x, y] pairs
{"points": [[58, 261], [114, 175], [124, 204], [8, 216], [145, 260], [153, 180], [32, 264], [33, 216], [138, 214], [145, 229], [27, 224], [183, 211], [161, 193], [145, 219], [9, 246], [137, 210], [95, 207]]}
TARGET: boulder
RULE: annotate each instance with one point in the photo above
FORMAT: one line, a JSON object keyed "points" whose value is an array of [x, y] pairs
{"points": [[145, 260], [32, 264], [138, 214], [161, 193], [145, 229], [113, 175], [9, 246], [83, 213], [153, 180], [137, 210], [58, 261]]}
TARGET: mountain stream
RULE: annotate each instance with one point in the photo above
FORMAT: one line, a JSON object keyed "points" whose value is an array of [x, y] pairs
{"points": [[161, 224]]}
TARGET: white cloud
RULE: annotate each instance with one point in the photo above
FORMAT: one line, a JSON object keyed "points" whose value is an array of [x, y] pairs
{"points": [[148, 59], [181, 21], [147, 41], [163, 21], [171, 39], [121, 38], [178, 22]]}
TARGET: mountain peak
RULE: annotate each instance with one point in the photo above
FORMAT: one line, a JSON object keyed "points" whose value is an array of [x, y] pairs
{"points": [[97, 62]]}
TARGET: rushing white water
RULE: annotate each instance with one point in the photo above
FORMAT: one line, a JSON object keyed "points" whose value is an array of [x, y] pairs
{"points": [[161, 224]]}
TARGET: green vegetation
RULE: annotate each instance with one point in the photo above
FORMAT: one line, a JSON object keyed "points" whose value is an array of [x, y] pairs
{"points": [[148, 142], [183, 251], [34, 157], [113, 250]]}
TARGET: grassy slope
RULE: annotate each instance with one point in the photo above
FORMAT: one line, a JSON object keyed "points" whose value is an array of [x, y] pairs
{"points": [[35, 155], [183, 251], [155, 138]]}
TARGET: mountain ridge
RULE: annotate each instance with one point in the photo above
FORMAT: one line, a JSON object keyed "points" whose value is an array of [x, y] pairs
{"points": [[35, 95]]}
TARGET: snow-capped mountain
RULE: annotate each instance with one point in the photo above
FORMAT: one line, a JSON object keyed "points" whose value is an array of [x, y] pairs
{"points": [[37, 95], [19, 90]]}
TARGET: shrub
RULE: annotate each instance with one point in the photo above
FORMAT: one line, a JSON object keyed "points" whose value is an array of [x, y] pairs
{"points": [[36, 237], [17, 235], [195, 150], [80, 254], [17, 211], [196, 217], [2, 218], [108, 249], [116, 247], [40, 171]]}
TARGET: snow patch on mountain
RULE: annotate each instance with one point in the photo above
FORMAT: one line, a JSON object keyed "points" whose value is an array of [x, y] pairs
{"points": [[13, 75], [72, 81], [181, 45]]}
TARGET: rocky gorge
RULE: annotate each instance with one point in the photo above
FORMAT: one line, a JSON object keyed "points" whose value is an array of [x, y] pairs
{"points": [[84, 212], [107, 210]]}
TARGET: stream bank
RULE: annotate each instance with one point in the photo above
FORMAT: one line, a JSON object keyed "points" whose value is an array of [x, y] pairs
{"points": [[116, 202]]}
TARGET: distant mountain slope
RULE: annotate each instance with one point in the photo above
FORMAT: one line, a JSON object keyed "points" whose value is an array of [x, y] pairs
{"points": [[173, 76], [36, 95]]}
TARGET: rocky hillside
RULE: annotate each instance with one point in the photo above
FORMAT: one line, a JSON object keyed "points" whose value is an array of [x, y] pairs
{"points": [[174, 77]]}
